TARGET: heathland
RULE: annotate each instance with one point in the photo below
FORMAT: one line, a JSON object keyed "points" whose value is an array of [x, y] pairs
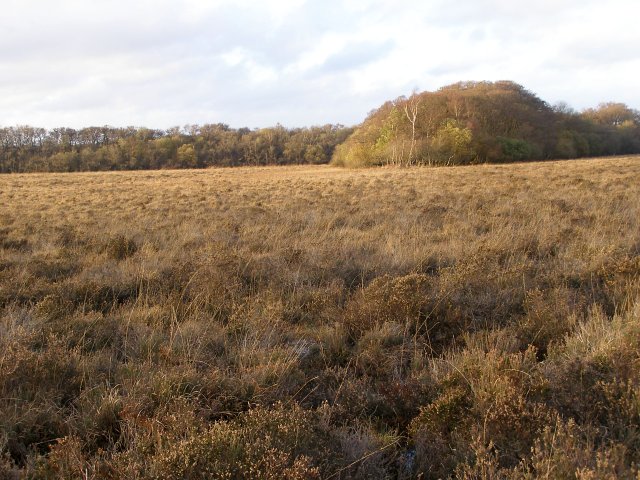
{"points": [[317, 322]]}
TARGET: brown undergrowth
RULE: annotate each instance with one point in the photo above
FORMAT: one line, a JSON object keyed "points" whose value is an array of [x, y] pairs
{"points": [[311, 322]]}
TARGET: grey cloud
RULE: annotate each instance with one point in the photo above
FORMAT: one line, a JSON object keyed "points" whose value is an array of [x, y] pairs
{"points": [[162, 63]]}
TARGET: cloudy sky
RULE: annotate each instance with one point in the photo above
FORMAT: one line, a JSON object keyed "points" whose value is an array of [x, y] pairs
{"points": [[160, 63]]}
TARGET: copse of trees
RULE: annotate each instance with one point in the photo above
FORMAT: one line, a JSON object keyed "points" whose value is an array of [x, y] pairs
{"points": [[475, 122], [30, 149]]}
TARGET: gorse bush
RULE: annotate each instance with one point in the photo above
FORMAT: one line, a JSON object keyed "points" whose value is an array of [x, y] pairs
{"points": [[316, 322]]}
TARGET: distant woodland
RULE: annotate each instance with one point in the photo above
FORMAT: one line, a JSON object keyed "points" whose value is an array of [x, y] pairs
{"points": [[468, 122], [476, 122], [29, 149]]}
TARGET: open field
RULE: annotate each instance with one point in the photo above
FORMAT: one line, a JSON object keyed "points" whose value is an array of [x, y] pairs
{"points": [[315, 322]]}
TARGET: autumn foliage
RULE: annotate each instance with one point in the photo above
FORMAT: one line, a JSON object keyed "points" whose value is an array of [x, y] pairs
{"points": [[477, 122], [30, 149]]}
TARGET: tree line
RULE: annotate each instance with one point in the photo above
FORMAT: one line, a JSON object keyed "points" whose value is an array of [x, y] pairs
{"points": [[475, 122], [467, 122], [32, 149]]}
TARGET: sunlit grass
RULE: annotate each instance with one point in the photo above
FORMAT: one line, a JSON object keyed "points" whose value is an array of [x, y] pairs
{"points": [[305, 322]]}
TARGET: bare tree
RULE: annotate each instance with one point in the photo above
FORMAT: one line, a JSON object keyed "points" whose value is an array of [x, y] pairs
{"points": [[411, 112]]}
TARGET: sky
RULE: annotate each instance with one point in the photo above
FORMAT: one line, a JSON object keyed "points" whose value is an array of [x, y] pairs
{"points": [[164, 63]]}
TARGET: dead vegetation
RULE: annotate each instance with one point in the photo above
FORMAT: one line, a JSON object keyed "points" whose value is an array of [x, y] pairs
{"points": [[312, 322]]}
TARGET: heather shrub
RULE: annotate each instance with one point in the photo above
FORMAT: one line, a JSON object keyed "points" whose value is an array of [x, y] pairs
{"points": [[482, 464], [330, 348], [378, 352], [218, 286], [29, 428], [494, 395], [439, 432], [594, 379], [8, 470], [66, 460], [402, 399], [53, 307], [479, 322], [468, 299], [19, 244], [367, 453], [120, 247], [262, 444], [613, 408], [621, 277], [403, 300], [36, 388], [564, 450], [62, 265], [99, 419], [102, 295], [50, 371], [549, 316], [314, 305], [86, 333], [352, 397], [67, 236], [512, 423]]}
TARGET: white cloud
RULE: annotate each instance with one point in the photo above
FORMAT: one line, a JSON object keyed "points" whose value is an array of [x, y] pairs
{"points": [[162, 62]]}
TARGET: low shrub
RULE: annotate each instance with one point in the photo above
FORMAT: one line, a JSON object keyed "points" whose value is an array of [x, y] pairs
{"points": [[262, 444], [120, 247]]}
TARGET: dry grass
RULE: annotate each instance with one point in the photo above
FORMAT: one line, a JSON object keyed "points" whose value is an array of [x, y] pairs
{"points": [[312, 322]]}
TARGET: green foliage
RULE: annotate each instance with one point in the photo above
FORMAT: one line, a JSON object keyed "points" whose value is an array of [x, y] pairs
{"points": [[515, 149], [487, 122], [356, 156], [452, 144], [572, 144], [186, 156]]}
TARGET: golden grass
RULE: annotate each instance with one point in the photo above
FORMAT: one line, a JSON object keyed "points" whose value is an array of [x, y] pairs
{"points": [[411, 321]]}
